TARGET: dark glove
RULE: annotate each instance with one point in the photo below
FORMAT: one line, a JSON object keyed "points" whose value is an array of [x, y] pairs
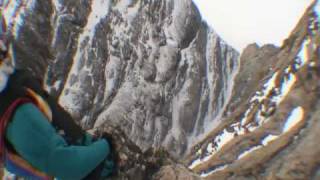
{"points": [[113, 155], [102, 171], [108, 169], [88, 139], [108, 137]]}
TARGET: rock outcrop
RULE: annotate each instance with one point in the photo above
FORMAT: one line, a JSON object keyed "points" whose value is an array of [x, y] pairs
{"points": [[153, 164]]}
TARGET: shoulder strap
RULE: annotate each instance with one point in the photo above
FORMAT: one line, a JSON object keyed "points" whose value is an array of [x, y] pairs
{"points": [[11, 160]]}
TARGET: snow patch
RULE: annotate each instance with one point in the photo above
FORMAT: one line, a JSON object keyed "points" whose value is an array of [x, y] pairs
{"points": [[268, 86], [213, 171], [285, 87], [268, 139], [273, 94], [132, 12], [239, 130], [125, 7], [199, 152], [223, 139], [212, 148], [303, 54], [245, 153], [295, 117], [195, 163], [99, 10], [122, 5]]}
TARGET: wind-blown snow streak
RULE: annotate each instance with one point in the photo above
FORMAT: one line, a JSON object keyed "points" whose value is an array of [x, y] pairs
{"points": [[58, 15], [99, 11], [214, 114]]}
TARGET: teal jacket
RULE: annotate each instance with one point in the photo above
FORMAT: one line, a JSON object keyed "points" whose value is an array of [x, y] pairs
{"points": [[36, 140]]}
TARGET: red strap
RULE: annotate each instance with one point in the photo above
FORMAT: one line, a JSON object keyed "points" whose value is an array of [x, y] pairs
{"points": [[6, 118]]}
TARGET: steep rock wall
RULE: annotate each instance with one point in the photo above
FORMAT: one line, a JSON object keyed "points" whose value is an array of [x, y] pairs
{"points": [[154, 68]]}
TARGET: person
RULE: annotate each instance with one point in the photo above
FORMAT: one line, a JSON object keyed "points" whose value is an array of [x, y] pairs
{"points": [[38, 139]]}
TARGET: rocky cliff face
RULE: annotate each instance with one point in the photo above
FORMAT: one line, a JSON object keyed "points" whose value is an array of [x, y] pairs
{"points": [[270, 127], [151, 67]]}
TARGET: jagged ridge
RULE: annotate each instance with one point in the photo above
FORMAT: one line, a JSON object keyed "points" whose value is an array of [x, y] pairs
{"points": [[270, 132]]}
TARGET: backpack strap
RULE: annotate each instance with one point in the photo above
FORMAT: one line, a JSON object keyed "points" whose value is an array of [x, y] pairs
{"points": [[5, 118], [22, 168], [41, 104]]}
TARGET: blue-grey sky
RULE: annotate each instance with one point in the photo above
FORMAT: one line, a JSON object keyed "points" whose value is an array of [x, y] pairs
{"points": [[241, 22]]}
